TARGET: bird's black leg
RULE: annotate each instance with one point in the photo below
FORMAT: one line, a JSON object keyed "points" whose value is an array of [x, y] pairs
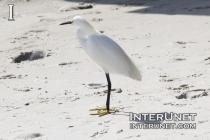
{"points": [[109, 90], [101, 111]]}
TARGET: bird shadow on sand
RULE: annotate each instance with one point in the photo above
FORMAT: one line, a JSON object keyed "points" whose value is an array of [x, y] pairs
{"points": [[177, 7], [147, 120]]}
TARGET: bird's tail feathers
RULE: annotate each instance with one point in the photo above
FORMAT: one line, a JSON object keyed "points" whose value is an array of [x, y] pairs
{"points": [[136, 73]]}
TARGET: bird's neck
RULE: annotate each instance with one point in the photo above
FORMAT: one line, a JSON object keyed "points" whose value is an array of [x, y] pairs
{"points": [[88, 29]]}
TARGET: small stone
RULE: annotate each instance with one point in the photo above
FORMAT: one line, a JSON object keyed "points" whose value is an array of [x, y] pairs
{"points": [[119, 90], [170, 80], [119, 131], [97, 19], [181, 42]]}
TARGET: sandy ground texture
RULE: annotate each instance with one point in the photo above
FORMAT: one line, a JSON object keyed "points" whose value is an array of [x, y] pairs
{"points": [[50, 98]]}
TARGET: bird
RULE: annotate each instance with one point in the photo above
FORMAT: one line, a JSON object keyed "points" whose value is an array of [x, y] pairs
{"points": [[107, 54]]}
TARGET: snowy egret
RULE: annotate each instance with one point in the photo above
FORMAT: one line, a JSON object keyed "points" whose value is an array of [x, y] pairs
{"points": [[106, 53]]}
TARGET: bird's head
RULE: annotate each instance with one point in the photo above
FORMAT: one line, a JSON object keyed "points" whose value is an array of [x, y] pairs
{"points": [[82, 23], [78, 20]]}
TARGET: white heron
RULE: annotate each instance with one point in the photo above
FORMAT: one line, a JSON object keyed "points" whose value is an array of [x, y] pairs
{"points": [[106, 53]]}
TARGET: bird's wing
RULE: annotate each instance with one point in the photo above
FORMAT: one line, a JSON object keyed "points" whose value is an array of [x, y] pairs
{"points": [[111, 57]]}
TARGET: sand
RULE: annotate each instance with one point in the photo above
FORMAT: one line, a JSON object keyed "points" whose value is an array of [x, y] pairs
{"points": [[50, 98]]}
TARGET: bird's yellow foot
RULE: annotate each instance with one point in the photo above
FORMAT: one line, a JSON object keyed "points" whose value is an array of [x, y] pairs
{"points": [[101, 111], [98, 109]]}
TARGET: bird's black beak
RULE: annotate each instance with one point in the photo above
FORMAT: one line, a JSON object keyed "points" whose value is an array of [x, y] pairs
{"points": [[68, 22]]}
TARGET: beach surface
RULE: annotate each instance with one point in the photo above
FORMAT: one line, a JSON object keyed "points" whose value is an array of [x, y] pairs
{"points": [[50, 98]]}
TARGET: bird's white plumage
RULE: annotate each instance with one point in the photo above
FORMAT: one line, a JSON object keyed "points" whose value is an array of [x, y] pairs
{"points": [[104, 51]]}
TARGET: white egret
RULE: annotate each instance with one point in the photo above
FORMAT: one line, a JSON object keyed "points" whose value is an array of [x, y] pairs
{"points": [[106, 53]]}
